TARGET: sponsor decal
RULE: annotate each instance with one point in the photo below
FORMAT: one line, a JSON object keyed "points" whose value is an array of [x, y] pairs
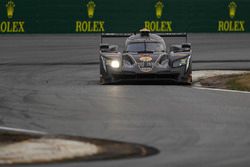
{"points": [[159, 9], [159, 25], [231, 25], [232, 9], [91, 9], [10, 9], [10, 25], [146, 58], [145, 65], [146, 69], [89, 25]]}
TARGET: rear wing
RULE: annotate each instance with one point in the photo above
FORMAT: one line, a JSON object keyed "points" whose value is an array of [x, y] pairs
{"points": [[184, 35], [115, 35], [124, 35]]}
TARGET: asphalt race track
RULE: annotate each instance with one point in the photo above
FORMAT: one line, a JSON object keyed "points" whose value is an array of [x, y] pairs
{"points": [[49, 83]]}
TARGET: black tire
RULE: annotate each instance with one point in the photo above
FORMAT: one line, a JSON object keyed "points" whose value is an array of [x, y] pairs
{"points": [[103, 81]]}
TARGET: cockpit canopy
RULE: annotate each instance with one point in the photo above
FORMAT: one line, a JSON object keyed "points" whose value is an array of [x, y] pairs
{"points": [[145, 42], [145, 47]]}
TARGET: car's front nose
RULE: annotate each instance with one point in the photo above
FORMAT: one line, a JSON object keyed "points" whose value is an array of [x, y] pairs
{"points": [[143, 67]]}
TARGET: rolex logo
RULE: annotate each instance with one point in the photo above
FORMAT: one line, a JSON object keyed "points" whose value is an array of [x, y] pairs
{"points": [[158, 25], [232, 9], [230, 25], [88, 25], [10, 9], [91, 8], [159, 9]]}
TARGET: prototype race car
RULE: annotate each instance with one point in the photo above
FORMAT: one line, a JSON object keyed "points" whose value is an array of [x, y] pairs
{"points": [[146, 58]]}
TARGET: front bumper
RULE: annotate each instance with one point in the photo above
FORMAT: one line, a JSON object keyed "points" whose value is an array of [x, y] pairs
{"points": [[151, 76], [179, 74]]}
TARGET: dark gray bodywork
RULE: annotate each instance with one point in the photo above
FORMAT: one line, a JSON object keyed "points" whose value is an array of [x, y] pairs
{"points": [[173, 64]]}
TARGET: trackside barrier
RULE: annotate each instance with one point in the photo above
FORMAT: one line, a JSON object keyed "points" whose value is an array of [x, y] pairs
{"points": [[121, 16]]}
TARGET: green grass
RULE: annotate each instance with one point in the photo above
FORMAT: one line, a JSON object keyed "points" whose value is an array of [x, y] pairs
{"points": [[240, 82]]}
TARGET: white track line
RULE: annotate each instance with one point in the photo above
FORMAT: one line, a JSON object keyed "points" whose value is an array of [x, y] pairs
{"points": [[222, 90], [21, 130]]}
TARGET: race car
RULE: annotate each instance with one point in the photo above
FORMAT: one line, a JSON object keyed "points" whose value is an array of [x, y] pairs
{"points": [[145, 58]]}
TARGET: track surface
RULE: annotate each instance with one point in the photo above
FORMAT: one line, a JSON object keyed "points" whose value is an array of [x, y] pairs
{"points": [[44, 87]]}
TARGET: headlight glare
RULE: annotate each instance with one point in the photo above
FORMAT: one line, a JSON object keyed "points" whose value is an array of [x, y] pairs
{"points": [[115, 64]]}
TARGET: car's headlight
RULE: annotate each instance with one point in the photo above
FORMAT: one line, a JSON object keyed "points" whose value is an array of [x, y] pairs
{"points": [[180, 62], [115, 64]]}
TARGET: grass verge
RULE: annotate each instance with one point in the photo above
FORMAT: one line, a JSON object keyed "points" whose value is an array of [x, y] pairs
{"points": [[240, 82], [234, 82]]}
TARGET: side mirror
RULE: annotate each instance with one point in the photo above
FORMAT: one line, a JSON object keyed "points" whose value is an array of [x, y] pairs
{"points": [[186, 47], [104, 47], [113, 48], [108, 48], [174, 49]]}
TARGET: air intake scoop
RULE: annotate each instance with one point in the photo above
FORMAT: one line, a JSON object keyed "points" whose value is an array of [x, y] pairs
{"points": [[144, 32]]}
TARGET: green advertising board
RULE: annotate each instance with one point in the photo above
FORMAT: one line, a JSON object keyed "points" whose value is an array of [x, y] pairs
{"points": [[95, 16]]}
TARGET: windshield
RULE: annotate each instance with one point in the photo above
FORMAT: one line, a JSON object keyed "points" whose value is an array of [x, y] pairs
{"points": [[145, 46]]}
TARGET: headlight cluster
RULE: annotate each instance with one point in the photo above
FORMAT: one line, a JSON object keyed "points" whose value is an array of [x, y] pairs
{"points": [[180, 62], [113, 63]]}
